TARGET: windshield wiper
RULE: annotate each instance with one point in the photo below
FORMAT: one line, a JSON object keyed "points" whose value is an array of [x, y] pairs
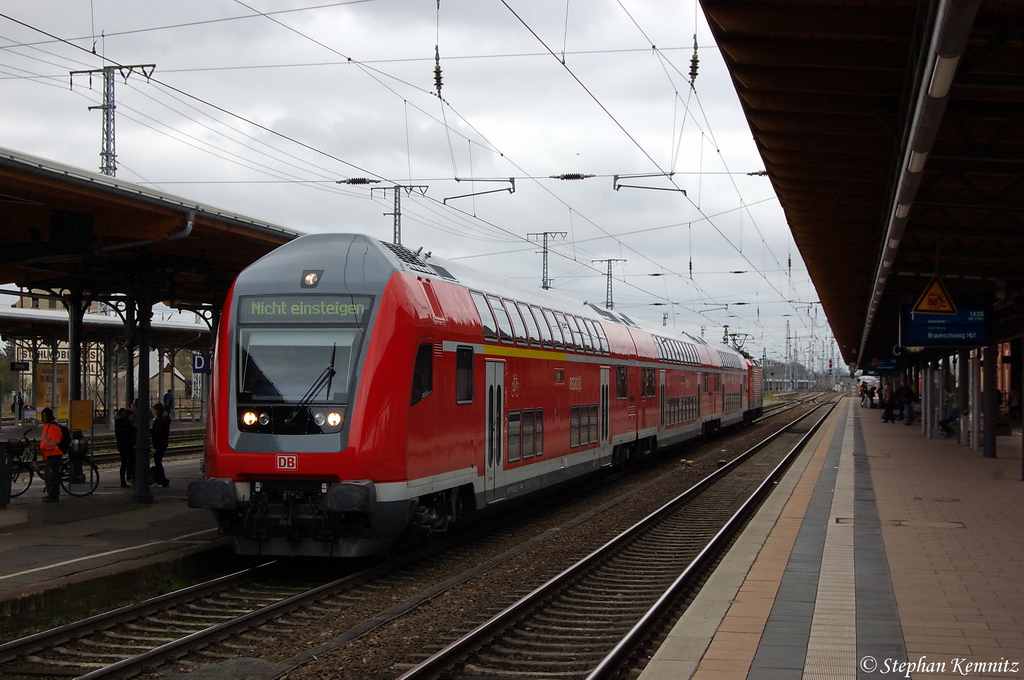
{"points": [[324, 378]]}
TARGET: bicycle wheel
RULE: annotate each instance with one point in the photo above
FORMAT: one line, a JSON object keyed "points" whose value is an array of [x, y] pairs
{"points": [[21, 478], [79, 478]]}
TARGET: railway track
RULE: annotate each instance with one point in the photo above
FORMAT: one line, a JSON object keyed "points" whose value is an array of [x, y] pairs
{"points": [[245, 615], [587, 621]]}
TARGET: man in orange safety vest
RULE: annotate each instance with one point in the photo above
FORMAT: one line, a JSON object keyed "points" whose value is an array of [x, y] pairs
{"points": [[49, 446]]}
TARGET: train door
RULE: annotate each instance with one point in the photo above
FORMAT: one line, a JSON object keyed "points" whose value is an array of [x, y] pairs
{"points": [[700, 395], [495, 473], [605, 429], [661, 399]]}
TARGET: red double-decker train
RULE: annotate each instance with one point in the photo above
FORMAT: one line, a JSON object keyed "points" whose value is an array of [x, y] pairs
{"points": [[362, 391]]}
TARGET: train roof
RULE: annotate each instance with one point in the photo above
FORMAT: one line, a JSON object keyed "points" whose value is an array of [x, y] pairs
{"points": [[360, 260], [453, 272]]}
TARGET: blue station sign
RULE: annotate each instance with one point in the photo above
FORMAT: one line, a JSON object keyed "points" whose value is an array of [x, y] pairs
{"points": [[965, 328]]}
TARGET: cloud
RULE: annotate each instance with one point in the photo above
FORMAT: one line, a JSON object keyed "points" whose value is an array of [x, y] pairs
{"points": [[263, 114]]}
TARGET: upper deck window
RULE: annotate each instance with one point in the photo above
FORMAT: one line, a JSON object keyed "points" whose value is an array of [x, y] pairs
{"points": [[504, 323], [490, 327]]}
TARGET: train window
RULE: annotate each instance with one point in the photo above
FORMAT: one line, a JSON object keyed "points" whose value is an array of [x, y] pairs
{"points": [[463, 375], [579, 334], [542, 324], [435, 304], [574, 426], [600, 340], [486, 316], [528, 433], [517, 322], [559, 376], [556, 330], [538, 432], [647, 389], [589, 339], [423, 373], [584, 435], [569, 334], [621, 382], [504, 323], [531, 324], [514, 436], [284, 364]]}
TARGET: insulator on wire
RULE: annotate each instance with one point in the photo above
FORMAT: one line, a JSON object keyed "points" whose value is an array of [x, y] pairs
{"points": [[694, 61], [437, 70], [571, 175], [358, 180]]}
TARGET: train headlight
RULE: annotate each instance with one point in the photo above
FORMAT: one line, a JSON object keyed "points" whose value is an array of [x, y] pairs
{"points": [[249, 418], [264, 419], [319, 419], [334, 419]]}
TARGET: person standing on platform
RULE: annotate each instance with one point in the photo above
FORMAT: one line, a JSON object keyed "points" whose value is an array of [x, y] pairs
{"points": [[888, 402], [124, 433], [159, 434], [169, 404], [49, 446], [907, 397]]}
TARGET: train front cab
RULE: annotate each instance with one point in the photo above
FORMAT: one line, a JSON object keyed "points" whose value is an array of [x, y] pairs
{"points": [[305, 453]]}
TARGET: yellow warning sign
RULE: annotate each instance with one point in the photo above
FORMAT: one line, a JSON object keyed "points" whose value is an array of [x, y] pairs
{"points": [[935, 299]]}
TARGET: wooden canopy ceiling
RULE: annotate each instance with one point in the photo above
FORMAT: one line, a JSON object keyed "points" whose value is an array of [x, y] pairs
{"points": [[63, 228], [885, 181]]}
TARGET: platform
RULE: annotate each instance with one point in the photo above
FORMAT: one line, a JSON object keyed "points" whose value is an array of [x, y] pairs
{"points": [[882, 554], [72, 554]]}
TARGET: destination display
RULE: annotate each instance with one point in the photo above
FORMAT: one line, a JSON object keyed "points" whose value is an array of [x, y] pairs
{"points": [[966, 328], [304, 309]]}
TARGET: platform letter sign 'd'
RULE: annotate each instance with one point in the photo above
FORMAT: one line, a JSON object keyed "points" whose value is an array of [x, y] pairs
{"points": [[200, 363], [290, 463]]}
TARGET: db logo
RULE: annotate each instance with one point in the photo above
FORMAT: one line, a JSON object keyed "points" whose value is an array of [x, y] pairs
{"points": [[287, 462]]}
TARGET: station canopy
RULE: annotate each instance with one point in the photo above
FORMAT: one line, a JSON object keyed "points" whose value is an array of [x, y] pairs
{"points": [[63, 228], [891, 131]]}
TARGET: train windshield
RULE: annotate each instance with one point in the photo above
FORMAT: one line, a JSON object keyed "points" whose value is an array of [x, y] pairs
{"points": [[282, 365], [287, 344]]}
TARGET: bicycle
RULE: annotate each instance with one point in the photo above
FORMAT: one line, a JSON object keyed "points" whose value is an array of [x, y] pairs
{"points": [[79, 476]]}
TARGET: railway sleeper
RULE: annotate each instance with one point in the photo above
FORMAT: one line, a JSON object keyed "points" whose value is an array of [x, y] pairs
{"points": [[565, 624], [160, 631], [68, 659], [516, 645], [485, 666], [128, 645], [604, 611]]}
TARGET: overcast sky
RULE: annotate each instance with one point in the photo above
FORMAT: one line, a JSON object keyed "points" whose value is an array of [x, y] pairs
{"points": [[261, 107]]}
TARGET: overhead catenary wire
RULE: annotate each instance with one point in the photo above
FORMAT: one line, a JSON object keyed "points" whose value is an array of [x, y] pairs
{"points": [[430, 215]]}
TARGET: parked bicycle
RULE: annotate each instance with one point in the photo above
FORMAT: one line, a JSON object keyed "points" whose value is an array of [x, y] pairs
{"points": [[79, 476]]}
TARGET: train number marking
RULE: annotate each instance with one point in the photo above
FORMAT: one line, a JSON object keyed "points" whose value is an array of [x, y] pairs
{"points": [[576, 384], [287, 463]]}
